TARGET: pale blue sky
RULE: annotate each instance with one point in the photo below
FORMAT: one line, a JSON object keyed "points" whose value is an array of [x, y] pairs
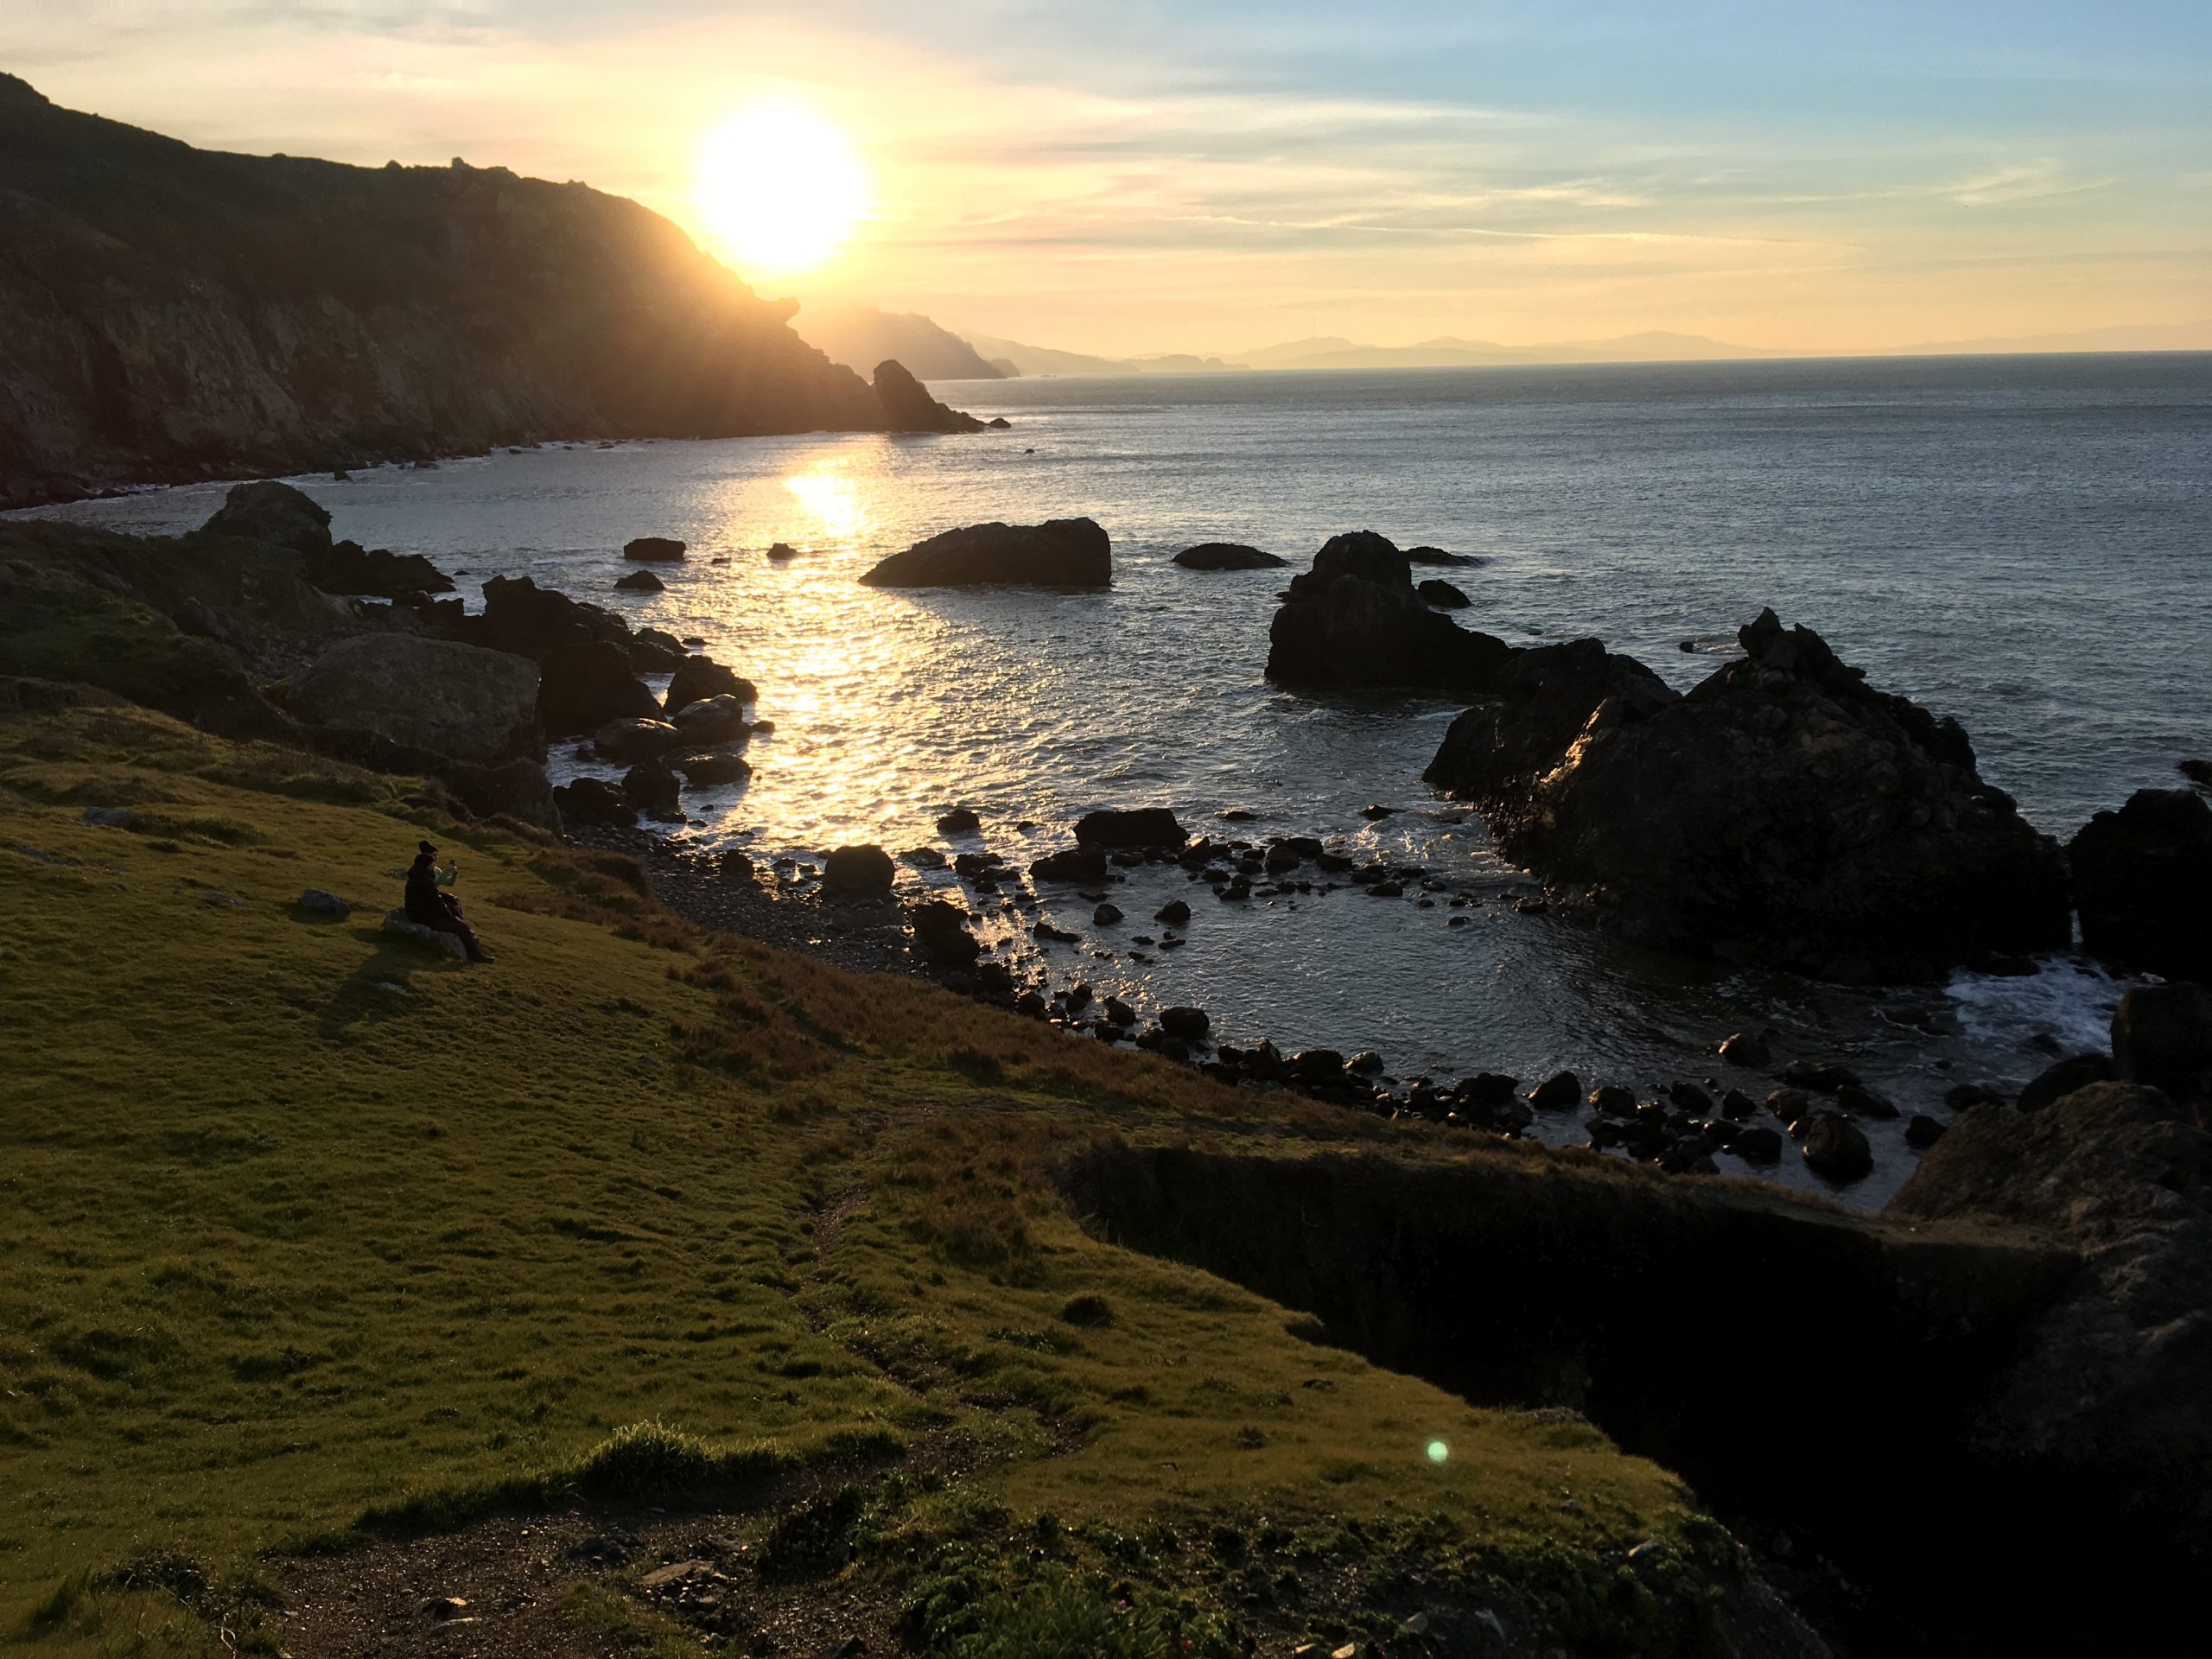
{"points": [[1140, 176]]}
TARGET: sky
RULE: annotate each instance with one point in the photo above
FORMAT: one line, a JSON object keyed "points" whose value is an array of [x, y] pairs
{"points": [[1132, 176]]}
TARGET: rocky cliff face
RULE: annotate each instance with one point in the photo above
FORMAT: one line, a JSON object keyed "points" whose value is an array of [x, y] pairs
{"points": [[168, 314]]}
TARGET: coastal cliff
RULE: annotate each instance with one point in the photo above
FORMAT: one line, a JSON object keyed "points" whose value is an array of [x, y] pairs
{"points": [[168, 314]]}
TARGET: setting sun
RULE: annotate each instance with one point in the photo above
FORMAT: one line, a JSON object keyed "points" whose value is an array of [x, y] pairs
{"points": [[780, 187]]}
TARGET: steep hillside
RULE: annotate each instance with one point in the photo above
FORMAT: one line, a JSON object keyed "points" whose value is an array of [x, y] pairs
{"points": [[168, 312], [860, 337]]}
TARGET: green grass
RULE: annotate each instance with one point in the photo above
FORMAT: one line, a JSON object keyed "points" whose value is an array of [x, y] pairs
{"points": [[306, 1234]]}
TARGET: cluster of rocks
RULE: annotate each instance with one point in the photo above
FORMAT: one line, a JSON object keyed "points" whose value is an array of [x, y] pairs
{"points": [[1355, 621]]}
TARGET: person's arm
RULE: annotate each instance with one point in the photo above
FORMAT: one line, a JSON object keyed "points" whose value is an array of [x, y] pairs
{"points": [[446, 875]]}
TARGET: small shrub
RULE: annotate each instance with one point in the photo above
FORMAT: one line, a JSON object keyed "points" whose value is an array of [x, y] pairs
{"points": [[1090, 1311], [1058, 1618], [813, 1541]]}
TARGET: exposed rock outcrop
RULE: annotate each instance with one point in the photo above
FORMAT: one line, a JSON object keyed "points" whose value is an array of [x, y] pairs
{"points": [[2162, 1039], [1227, 556], [698, 678], [1782, 812], [2143, 882], [908, 407], [1060, 553], [654, 549], [171, 314], [1354, 622], [474, 705], [2110, 1381], [1144, 826], [584, 685]]}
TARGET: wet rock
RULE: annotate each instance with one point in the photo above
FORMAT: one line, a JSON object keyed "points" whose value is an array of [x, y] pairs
{"points": [[860, 870], [1861, 1102], [1442, 595], [1106, 915], [1174, 912], [710, 768], [713, 720], [697, 678], [2056, 1081], [654, 790], [521, 617], [1612, 1100], [941, 934], [960, 821], [780, 552], [1556, 1092], [1076, 864], [653, 550], [1822, 1076], [1688, 1097], [1747, 1051], [1063, 553], [2162, 1039], [1151, 826], [1736, 1106], [1922, 1131], [1836, 1150], [1761, 1144], [2198, 772], [1189, 1024], [1354, 622], [635, 739], [1386, 890], [1377, 811], [1435, 556], [2143, 882], [1783, 811], [1789, 1105], [1961, 1096], [1120, 1012], [1367, 1064], [640, 581], [1316, 1066], [908, 407], [584, 685], [1227, 556], [593, 802]]}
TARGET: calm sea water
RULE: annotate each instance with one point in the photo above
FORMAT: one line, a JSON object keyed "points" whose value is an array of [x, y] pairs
{"points": [[2025, 543]]}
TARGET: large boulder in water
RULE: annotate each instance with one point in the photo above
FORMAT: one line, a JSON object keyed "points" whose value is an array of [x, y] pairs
{"points": [[521, 617], [1354, 622], [1227, 556], [698, 678], [908, 407], [1060, 553], [2107, 1387], [349, 568], [583, 686], [1782, 812], [2143, 883], [458, 701], [1144, 826]]}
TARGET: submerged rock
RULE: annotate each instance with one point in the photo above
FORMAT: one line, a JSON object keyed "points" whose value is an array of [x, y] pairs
{"points": [[960, 821], [1227, 556], [1060, 553], [1782, 812], [2143, 882], [1075, 864], [641, 582], [1354, 622]]}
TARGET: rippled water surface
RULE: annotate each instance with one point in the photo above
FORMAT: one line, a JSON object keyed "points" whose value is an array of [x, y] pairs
{"points": [[2025, 543]]}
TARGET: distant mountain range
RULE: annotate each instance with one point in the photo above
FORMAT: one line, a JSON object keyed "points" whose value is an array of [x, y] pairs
{"points": [[860, 337], [1011, 358]]}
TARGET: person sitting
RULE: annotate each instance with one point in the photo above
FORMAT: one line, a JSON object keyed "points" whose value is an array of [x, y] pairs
{"points": [[427, 908]]}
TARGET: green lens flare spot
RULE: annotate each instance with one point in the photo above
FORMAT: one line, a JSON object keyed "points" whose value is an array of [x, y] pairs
{"points": [[1438, 1452]]}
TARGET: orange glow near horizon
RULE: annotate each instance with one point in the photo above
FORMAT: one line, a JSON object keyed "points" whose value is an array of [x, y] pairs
{"points": [[780, 187]]}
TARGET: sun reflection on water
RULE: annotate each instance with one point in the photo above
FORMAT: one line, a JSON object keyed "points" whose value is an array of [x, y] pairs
{"points": [[833, 498]]}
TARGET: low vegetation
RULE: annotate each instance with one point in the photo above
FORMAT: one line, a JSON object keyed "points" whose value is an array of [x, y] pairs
{"points": [[310, 1242]]}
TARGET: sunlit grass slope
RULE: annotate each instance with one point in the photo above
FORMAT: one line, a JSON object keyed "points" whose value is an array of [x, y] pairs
{"points": [[297, 1220]]}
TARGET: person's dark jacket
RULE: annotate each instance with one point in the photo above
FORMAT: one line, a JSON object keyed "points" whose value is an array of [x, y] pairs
{"points": [[425, 904]]}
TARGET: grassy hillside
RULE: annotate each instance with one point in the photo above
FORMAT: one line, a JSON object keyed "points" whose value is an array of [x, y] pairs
{"points": [[306, 1235]]}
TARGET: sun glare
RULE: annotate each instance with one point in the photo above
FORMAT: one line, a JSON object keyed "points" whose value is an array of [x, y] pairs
{"points": [[780, 187]]}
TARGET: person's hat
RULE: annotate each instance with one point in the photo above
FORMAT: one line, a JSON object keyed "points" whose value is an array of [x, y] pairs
{"points": [[429, 851]]}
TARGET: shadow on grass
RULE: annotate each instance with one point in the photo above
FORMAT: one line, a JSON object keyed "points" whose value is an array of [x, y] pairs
{"points": [[380, 989]]}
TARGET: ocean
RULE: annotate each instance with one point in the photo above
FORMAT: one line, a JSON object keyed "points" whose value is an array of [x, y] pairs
{"points": [[2022, 543]]}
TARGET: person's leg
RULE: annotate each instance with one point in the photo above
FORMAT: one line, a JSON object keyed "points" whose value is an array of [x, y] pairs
{"points": [[451, 923]]}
